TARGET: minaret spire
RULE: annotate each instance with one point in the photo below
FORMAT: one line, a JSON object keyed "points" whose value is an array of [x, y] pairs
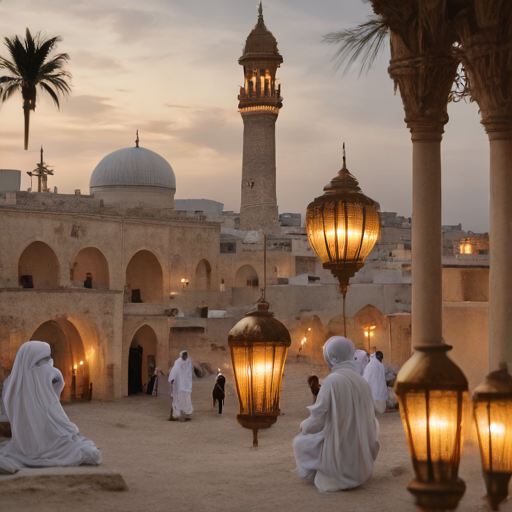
{"points": [[41, 156], [137, 140], [260, 10], [344, 157]]}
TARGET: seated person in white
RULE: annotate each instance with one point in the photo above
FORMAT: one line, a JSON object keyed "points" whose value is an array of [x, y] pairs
{"points": [[338, 444], [42, 435]]}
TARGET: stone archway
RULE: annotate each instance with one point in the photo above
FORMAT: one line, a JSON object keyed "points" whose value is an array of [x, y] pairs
{"points": [[90, 260], [246, 275], [142, 355], [203, 275], [38, 267], [67, 352], [144, 273]]}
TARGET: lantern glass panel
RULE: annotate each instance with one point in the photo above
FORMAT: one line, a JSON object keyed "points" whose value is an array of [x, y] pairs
{"points": [[340, 230], [433, 421], [493, 423], [259, 373]]}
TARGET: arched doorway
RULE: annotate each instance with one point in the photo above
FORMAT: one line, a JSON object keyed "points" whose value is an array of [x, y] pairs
{"points": [[90, 261], [246, 275], [38, 267], [203, 275], [67, 352], [178, 272], [142, 359], [144, 278]]}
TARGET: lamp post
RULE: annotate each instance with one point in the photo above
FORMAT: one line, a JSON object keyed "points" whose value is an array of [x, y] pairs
{"points": [[492, 410], [258, 344], [343, 226], [432, 392]]}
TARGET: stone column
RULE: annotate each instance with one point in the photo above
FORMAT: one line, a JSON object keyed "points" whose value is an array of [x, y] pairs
{"points": [[500, 249], [425, 81], [486, 34]]}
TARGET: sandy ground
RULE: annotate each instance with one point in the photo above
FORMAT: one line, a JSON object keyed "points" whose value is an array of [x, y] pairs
{"points": [[209, 462]]}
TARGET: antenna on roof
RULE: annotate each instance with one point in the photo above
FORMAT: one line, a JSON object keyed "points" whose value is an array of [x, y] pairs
{"points": [[137, 140]]}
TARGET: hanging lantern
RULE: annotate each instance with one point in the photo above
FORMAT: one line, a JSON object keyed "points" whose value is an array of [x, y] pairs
{"points": [[259, 344], [492, 409], [432, 392], [343, 226]]}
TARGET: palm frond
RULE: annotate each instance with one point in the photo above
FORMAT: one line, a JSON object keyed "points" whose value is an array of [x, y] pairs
{"points": [[363, 42], [9, 90], [51, 92]]}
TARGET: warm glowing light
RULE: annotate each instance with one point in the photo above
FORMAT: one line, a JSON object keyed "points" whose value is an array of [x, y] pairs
{"points": [[309, 328], [183, 280], [81, 362], [75, 367], [303, 341]]}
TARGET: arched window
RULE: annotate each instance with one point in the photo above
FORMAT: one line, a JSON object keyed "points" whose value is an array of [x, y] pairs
{"points": [[38, 267], [89, 269], [246, 275], [144, 278], [203, 275]]}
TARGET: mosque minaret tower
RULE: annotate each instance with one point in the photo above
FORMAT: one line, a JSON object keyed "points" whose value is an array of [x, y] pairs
{"points": [[259, 104]]}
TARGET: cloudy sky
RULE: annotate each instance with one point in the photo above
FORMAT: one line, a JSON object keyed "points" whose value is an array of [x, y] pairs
{"points": [[169, 68]]}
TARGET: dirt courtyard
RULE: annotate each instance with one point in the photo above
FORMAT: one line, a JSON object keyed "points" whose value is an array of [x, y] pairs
{"points": [[209, 463]]}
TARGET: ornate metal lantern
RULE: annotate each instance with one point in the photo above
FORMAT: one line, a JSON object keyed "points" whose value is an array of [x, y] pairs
{"points": [[492, 409], [432, 392], [259, 344], [343, 226]]}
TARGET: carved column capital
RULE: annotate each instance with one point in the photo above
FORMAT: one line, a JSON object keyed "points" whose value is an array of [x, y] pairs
{"points": [[425, 81], [486, 40]]}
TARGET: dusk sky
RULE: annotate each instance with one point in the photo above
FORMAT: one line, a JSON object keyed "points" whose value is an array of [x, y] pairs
{"points": [[170, 69]]}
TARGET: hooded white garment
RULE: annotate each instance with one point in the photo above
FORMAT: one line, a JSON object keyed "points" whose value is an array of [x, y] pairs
{"points": [[361, 358], [338, 444], [181, 374], [42, 435], [375, 375]]}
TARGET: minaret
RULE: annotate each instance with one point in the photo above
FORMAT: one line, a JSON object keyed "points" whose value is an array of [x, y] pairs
{"points": [[260, 101]]}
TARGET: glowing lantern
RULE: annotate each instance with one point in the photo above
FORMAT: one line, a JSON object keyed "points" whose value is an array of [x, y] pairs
{"points": [[259, 345], [432, 392], [343, 226], [492, 409]]}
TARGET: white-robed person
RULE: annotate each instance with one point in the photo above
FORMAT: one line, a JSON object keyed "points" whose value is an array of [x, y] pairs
{"points": [[375, 375], [42, 435], [180, 378], [338, 443], [361, 359]]}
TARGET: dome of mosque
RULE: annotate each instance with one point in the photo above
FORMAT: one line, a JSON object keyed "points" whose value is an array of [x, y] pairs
{"points": [[136, 176], [133, 167]]}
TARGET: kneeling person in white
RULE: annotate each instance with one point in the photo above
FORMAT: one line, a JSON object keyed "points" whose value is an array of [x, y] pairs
{"points": [[42, 435], [338, 444], [181, 380]]}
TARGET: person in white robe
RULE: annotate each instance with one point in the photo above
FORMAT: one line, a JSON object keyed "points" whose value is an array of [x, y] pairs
{"points": [[42, 435], [375, 375], [181, 379], [361, 358], [338, 444]]}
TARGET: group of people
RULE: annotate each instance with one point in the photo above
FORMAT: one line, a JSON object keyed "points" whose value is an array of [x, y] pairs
{"points": [[180, 378], [336, 448]]}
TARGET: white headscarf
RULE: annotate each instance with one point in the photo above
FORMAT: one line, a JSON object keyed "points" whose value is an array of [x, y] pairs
{"points": [[42, 435], [339, 354], [181, 373], [361, 358]]}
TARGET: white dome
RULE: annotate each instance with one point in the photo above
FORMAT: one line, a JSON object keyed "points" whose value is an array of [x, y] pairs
{"points": [[137, 176]]}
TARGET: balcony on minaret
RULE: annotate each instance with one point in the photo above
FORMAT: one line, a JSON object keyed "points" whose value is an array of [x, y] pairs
{"points": [[260, 90]]}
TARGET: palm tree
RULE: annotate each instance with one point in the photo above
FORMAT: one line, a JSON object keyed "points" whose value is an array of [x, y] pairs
{"points": [[30, 66]]}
